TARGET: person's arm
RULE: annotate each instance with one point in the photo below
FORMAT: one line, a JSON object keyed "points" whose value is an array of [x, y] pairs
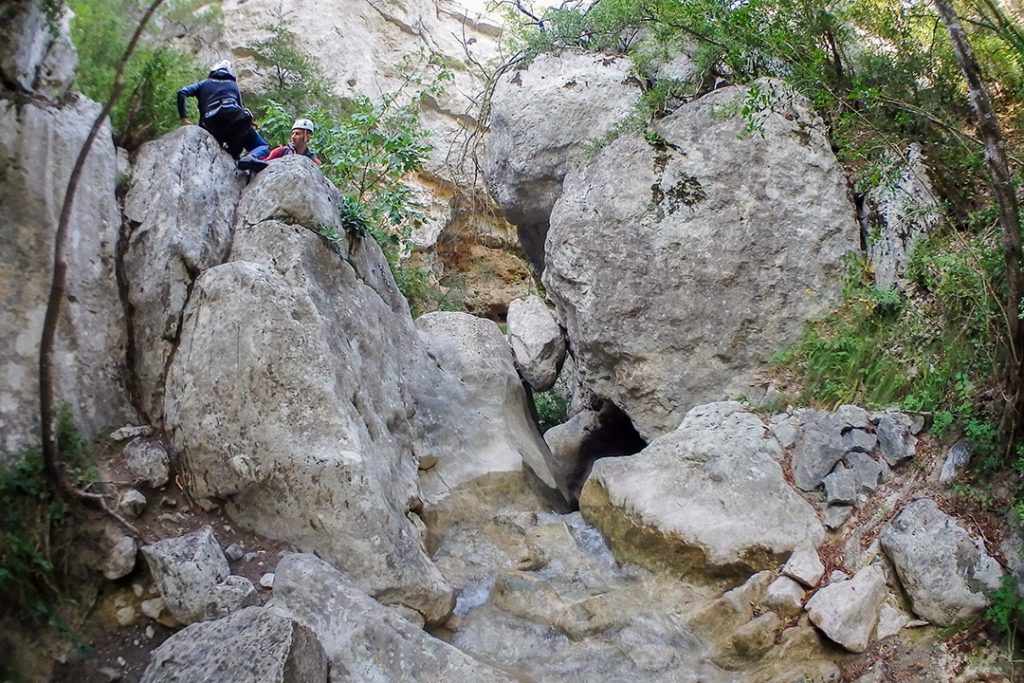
{"points": [[187, 91]]}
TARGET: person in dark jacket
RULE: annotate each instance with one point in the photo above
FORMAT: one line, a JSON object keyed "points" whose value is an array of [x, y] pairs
{"points": [[221, 112]]}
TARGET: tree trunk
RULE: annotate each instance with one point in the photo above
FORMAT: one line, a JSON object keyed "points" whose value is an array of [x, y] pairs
{"points": [[1005, 195]]}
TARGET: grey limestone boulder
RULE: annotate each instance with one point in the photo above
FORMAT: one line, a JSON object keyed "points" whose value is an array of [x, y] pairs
{"points": [[536, 341], [39, 144], [253, 645], [805, 566], [194, 578], [180, 212], [307, 429], [896, 439], [677, 267], [541, 118], [489, 454], [365, 641], [847, 611], [697, 499], [945, 570]]}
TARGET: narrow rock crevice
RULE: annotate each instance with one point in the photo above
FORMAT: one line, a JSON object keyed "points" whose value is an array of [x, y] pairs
{"points": [[131, 379]]}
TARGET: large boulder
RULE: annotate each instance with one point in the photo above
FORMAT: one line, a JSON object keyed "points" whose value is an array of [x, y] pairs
{"points": [[677, 265], [288, 394], [709, 498], [39, 144], [253, 645], [541, 119], [847, 611], [536, 341], [479, 447], [180, 214], [194, 579], [365, 641], [945, 570]]}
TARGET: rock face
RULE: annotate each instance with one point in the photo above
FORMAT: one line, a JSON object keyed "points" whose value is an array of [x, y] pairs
{"points": [[37, 54], [39, 143], [251, 646], [365, 641], [307, 429], [536, 341], [943, 568], [900, 212], [180, 213], [540, 122], [676, 267], [708, 498]]}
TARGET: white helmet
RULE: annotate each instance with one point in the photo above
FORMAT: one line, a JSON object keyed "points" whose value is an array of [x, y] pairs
{"points": [[303, 124], [224, 64]]}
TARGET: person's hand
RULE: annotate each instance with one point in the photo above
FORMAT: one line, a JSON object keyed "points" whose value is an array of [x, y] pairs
{"points": [[185, 122]]}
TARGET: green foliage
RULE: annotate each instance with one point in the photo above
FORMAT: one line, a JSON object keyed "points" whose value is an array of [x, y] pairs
{"points": [[552, 409], [29, 514], [293, 76], [154, 73], [1006, 604], [368, 149]]}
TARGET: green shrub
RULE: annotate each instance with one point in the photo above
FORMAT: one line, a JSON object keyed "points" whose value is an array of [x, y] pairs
{"points": [[31, 517], [154, 73], [552, 409]]}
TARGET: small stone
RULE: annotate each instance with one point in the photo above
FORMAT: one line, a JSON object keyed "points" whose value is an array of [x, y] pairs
{"points": [[207, 505], [836, 515], [785, 433], [229, 596], [121, 558], [859, 441], [125, 616], [234, 552], [267, 580], [148, 461], [152, 608], [837, 575], [168, 501], [122, 661], [890, 621], [150, 632], [852, 417], [109, 674], [138, 590], [894, 438], [841, 486], [805, 566], [132, 503], [129, 432], [956, 461], [785, 596], [866, 470], [249, 557], [427, 461]]}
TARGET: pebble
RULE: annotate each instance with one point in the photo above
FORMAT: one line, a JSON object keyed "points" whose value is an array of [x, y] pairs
{"points": [[234, 552], [150, 632], [267, 580], [125, 616]]}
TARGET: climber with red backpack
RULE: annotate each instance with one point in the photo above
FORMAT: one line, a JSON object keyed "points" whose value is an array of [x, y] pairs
{"points": [[221, 112]]}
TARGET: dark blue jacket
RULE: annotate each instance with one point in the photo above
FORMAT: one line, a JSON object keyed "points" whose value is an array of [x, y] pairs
{"points": [[217, 92]]}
